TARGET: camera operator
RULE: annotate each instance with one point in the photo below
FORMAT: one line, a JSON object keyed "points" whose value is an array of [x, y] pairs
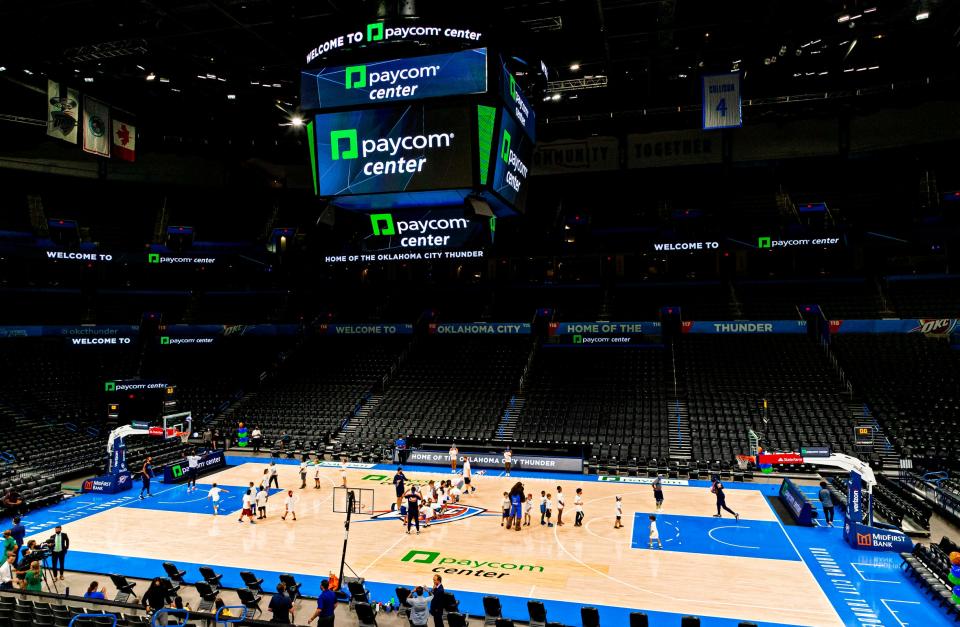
{"points": [[30, 553], [58, 543]]}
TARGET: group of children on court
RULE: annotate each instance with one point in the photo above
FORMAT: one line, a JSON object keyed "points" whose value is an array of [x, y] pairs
{"points": [[516, 504], [255, 498]]}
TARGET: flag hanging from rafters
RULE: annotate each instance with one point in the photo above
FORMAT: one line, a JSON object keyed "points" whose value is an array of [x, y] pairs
{"points": [[96, 127], [124, 140], [63, 105]]}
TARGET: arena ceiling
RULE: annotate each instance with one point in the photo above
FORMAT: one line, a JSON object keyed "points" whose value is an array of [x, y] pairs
{"points": [[233, 61]]}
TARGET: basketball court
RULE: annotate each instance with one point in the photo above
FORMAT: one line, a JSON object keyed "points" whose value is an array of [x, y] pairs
{"points": [[722, 570]]}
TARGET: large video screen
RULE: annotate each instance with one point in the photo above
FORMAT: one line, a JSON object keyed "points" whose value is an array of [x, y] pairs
{"points": [[517, 103], [383, 82], [512, 157], [395, 149]]}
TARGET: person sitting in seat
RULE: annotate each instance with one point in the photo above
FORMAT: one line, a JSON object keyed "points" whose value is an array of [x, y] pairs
{"points": [[94, 591], [13, 502]]}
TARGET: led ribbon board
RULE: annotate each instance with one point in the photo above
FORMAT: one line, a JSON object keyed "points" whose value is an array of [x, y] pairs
{"points": [[395, 149], [513, 153], [379, 82], [517, 103]]}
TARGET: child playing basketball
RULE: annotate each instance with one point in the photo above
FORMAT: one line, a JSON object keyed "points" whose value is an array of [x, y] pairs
{"points": [[316, 475], [578, 508], [290, 504], [247, 507], [214, 495], [343, 471], [261, 500], [619, 506], [654, 533]]}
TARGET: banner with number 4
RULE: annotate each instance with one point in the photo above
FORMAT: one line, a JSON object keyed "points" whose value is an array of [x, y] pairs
{"points": [[721, 101]]}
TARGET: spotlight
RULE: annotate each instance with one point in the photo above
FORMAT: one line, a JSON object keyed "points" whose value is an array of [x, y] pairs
{"points": [[296, 120], [151, 76], [574, 67], [922, 15]]}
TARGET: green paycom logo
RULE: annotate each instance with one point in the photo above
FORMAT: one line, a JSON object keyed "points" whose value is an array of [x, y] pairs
{"points": [[388, 227], [110, 386], [763, 242], [176, 470], [164, 340], [153, 258], [349, 134], [578, 339], [375, 31], [513, 87], [505, 147], [358, 74], [455, 565], [374, 478]]}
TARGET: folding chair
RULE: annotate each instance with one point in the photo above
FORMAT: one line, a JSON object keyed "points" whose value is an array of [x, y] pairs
{"points": [[250, 600], [491, 610], [403, 610], [207, 596], [124, 588], [251, 581], [365, 616], [538, 614], [639, 619], [358, 594], [211, 577], [456, 619], [293, 588], [174, 573], [690, 621], [589, 617]]}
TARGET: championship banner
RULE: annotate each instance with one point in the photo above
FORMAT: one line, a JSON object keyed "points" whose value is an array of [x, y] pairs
{"points": [[721, 101], [756, 327], [96, 127], [593, 154], [63, 104], [124, 141]]}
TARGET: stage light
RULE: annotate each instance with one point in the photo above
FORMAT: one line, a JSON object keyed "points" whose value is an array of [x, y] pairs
{"points": [[87, 79], [843, 18], [296, 120], [151, 76], [574, 67], [231, 96], [3, 68], [922, 15]]}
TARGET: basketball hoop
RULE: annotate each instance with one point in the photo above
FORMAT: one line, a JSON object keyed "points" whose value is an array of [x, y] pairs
{"points": [[743, 461], [183, 435]]}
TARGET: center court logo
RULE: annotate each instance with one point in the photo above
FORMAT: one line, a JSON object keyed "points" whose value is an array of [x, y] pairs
{"points": [[454, 565]]}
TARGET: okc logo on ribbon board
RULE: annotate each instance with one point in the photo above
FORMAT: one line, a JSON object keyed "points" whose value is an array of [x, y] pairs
{"points": [[352, 151], [359, 75], [388, 226], [375, 31]]}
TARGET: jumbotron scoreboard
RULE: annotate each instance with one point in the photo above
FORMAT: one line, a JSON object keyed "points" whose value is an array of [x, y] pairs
{"points": [[392, 131]]}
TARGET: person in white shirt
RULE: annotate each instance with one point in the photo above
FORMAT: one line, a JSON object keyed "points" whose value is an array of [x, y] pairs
{"points": [[214, 495], [247, 510], [578, 508], [561, 501], [654, 533], [316, 475], [343, 471], [274, 479], [507, 460], [290, 504], [468, 476], [527, 508], [429, 513], [549, 509], [261, 500], [6, 573], [265, 481], [256, 436], [619, 506], [454, 453], [303, 472], [505, 506], [193, 466]]}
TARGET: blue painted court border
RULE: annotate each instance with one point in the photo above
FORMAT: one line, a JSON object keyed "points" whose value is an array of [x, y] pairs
{"points": [[847, 577]]}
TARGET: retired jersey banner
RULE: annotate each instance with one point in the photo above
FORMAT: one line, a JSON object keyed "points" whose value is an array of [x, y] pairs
{"points": [[63, 105], [96, 127], [124, 141], [721, 101]]}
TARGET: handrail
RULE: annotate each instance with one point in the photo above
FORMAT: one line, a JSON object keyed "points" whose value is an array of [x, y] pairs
{"points": [[97, 615], [168, 610]]}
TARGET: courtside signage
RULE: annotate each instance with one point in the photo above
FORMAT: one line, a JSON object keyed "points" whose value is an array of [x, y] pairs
{"points": [[640, 480], [365, 329], [495, 460], [480, 328], [432, 76], [517, 103], [450, 565], [603, 328], [377, 32], [757, 327]]}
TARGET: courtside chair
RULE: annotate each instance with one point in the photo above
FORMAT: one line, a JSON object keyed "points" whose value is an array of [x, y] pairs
{"points": [[538, 614], [491, 610], [171, 589], [690, 621], [174, 573], [639, 619], [211, 577], [207, 596], [589, 617], [403, 610], [504, 622], [365, 616], [250, 600], [124, 588], [358, 594], [251, 581], [746, 624], [456, 619], [293, 587]]}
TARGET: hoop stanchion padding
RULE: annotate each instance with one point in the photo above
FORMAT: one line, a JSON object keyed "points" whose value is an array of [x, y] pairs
{"points": [[168, 610], [113, 617], [231, 619]]}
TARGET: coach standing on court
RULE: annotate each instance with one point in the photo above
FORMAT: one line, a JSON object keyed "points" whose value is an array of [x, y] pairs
{"points": [[399, 480], [59, 544]]}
